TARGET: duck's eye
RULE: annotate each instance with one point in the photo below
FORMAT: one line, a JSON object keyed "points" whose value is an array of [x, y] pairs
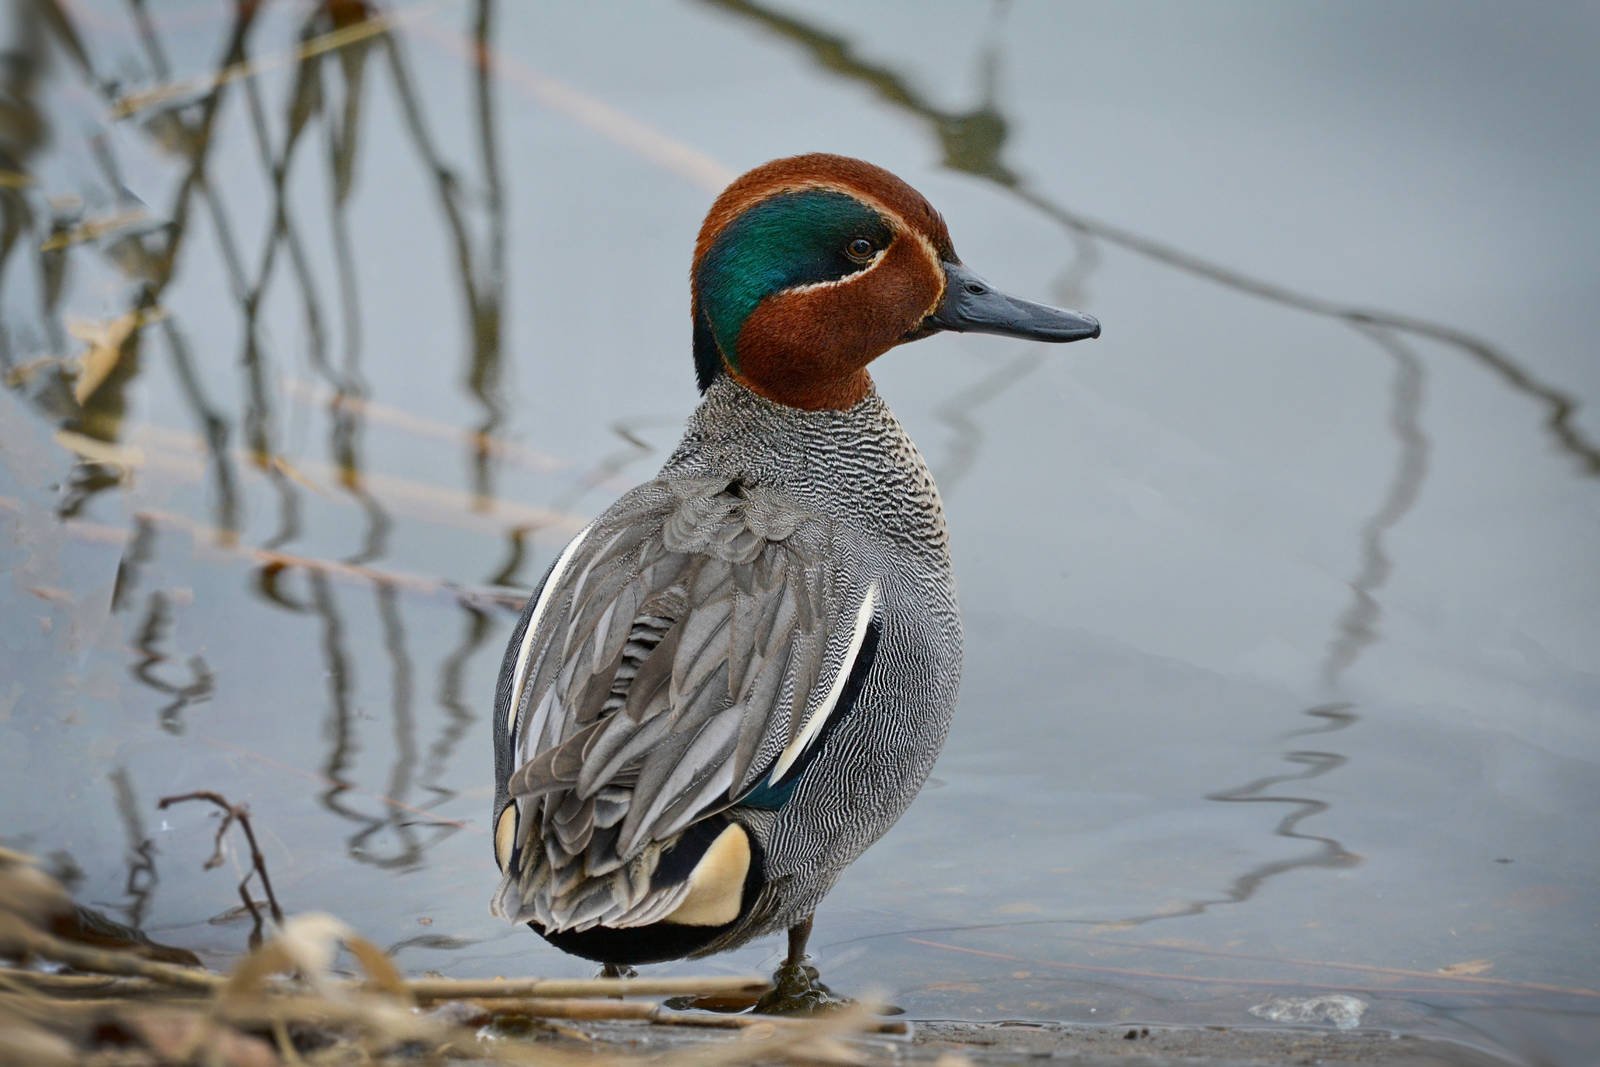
{"points": [[860, 249]]}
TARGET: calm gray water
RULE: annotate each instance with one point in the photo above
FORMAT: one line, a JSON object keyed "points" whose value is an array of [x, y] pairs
{"points": [[1282, 597]]}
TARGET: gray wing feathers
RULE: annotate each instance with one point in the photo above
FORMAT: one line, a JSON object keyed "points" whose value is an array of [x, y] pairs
{"points": [[675, 660]]}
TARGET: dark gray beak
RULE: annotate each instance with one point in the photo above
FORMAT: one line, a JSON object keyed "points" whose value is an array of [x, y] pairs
{"points": [[972, 305]]}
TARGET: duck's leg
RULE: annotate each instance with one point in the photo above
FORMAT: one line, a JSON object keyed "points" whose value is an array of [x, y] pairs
{"points": [[795, 986], [617, 970], [799, 934]]}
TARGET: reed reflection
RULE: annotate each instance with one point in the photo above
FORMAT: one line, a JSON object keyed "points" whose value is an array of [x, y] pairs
{"points": [[403, 722], [140, 885], [26, 217], [344, 55], [147, 257], [151, 635], [456, 700]]}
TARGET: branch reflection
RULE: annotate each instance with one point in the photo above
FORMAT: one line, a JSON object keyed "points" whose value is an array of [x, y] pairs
{"points": [[973, 142]]}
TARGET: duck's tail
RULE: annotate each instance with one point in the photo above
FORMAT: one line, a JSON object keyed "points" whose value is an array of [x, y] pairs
{"points": [[697, 878]]}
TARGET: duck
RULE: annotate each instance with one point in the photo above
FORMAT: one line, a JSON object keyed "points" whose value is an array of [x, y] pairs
{"points": [[737, 678]]}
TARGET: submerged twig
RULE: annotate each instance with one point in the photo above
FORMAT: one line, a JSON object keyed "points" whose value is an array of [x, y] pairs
{"points": [[258, 863]]}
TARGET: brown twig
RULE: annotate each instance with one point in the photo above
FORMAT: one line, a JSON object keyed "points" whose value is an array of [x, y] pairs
{"points": [[258, 863]]}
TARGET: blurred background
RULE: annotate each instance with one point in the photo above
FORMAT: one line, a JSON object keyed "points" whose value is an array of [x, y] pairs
{"points": [[324, 325]]}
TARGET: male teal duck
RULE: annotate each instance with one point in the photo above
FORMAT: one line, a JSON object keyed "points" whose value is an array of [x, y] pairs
{"points": [[738, 677]]}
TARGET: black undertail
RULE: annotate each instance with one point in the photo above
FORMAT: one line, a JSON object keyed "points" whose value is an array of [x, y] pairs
{"points": [[664, 941]]}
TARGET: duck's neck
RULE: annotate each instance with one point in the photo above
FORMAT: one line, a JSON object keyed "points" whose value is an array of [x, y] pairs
{"points": [[856, 464], [808, 392]]}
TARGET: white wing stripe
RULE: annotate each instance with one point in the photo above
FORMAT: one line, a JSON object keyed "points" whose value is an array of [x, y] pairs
{"points": [[825, 710], [520, 674]]}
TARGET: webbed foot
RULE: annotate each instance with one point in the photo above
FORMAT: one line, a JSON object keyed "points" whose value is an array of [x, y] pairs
{"points": [[796, 990]]}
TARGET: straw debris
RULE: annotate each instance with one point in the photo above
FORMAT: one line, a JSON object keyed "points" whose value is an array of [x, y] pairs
{"points": [[64, 1002]]}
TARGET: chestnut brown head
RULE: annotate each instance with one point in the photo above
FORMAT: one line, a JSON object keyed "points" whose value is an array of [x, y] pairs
{"points": [[809, 268]]}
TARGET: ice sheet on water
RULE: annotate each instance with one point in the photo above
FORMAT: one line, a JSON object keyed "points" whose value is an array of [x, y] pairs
{"points": [[1337, 1009]]}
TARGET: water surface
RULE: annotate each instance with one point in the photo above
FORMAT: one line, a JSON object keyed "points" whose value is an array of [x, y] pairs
{"points": [[322, 328]]}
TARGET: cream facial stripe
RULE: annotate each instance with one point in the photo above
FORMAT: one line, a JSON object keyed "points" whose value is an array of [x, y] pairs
{"points": [[900, 225], [520, 674], [897, 222], [824, 710], [834, 283]]}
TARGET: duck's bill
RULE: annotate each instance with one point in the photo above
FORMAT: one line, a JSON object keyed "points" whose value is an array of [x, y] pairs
{"points": [[972, 305]]}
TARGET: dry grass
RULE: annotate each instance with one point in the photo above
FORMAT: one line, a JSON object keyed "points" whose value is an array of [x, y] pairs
{"points": [[63, 1001]]}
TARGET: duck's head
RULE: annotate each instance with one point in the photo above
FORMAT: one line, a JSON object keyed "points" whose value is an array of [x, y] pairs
{"points": [[809, 268]]}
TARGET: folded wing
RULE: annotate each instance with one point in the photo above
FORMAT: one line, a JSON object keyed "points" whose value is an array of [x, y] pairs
{"points": [[684, 654]]}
